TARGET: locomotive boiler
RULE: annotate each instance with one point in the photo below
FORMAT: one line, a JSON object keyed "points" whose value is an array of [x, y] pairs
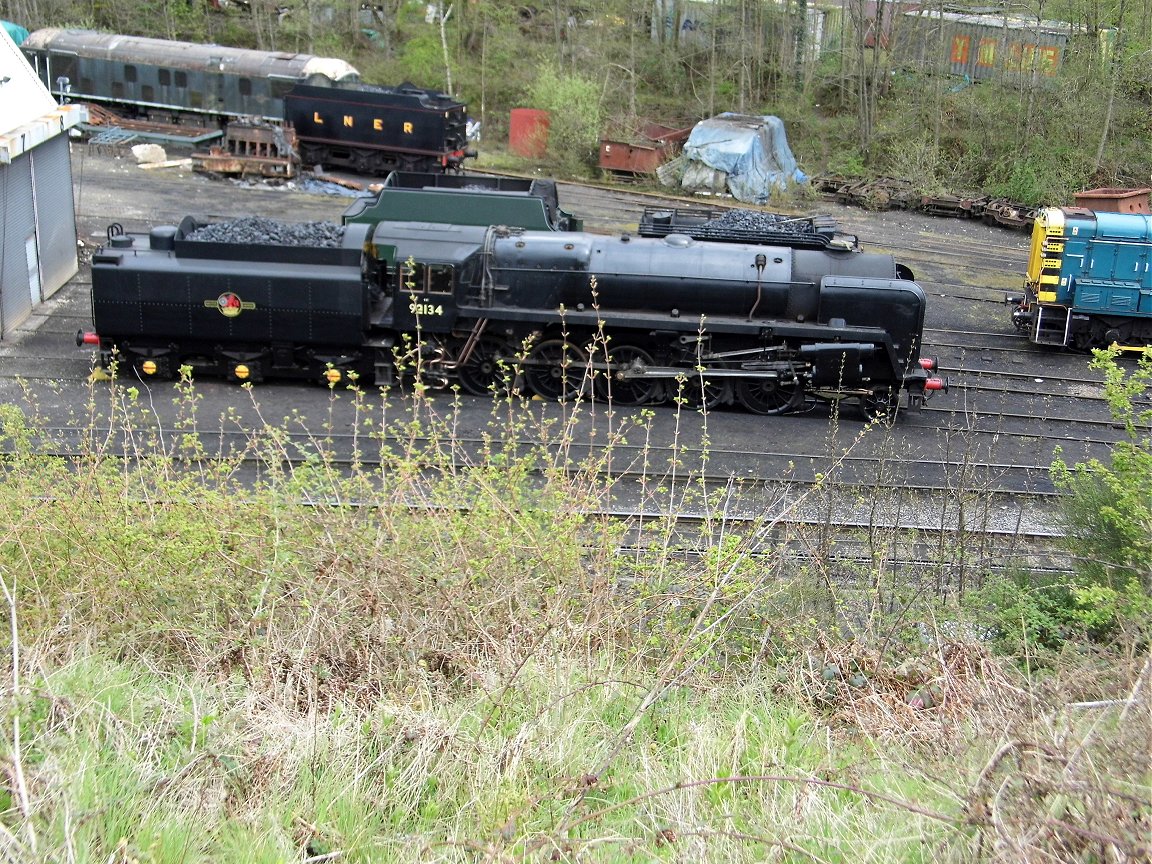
{"points": [[1088, 283], [337, 119], [555, 314]]}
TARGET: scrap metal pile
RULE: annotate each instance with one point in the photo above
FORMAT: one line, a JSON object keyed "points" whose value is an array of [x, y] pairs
{"points": [[891, 194]]}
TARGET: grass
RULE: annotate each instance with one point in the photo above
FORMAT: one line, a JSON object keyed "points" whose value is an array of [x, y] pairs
{"points": [[394, 647]]}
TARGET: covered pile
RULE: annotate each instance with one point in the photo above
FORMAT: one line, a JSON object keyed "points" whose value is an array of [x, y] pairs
{"points": [[745, 156]]}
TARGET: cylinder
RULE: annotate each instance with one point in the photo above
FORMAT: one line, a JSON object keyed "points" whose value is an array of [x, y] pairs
{"points": [[528, 132]]}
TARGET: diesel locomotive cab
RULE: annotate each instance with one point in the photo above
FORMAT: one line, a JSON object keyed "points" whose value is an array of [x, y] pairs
{"points": [[1088, 283]]}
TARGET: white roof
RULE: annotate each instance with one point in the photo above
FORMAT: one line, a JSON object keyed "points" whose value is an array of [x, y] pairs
{"points": [[28, 113]]}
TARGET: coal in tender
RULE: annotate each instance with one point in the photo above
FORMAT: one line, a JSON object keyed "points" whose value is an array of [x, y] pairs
{"points": [[258, 231], [753, 222]]}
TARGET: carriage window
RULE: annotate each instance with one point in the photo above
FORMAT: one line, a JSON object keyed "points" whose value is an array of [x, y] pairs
{"points": [[165, 77], [427, 278], [130, 73], [245, 86], [181, 79]]}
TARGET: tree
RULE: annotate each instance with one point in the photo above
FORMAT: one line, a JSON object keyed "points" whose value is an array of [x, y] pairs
{"points": [[1108, 511]]}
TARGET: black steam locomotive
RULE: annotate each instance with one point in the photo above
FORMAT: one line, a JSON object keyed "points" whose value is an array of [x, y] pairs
{"points": [[338, 120], [549, 313]]}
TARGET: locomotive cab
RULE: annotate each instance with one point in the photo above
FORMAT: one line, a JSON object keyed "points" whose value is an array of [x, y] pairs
{"points": [[430, 270], [425, 293]]}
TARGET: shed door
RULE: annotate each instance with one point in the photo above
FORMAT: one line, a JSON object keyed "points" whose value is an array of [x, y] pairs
{"points": [[55, 219], [18, 225]]}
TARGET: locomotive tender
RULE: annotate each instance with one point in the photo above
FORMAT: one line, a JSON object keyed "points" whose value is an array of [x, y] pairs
{"points": [[1088, 283], [338, 120], [549, 313]]}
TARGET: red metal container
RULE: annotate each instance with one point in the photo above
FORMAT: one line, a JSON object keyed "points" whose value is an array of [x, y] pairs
{"points": [[528, 132], [656, 145], [1114, 200]]}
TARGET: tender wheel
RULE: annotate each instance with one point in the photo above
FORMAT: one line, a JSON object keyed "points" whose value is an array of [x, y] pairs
{"points": [[554, 370], [486, 369], [627, 391], [768, 396], [311, 155], [364, 161], [882, 405]]}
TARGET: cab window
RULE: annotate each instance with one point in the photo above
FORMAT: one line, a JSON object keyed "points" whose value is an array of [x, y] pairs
{"points": [[426, 278]]}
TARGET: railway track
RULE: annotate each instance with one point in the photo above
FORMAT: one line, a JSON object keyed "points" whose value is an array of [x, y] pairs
{"points": [[829, 525], [759, 474], [992, 439]]}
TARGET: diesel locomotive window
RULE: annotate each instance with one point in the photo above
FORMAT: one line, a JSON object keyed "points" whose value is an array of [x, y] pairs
{"points": [[427, 278], [181, 79], [281, 88], [244, 85], [64, 66], [129, 73], [164, 76]]}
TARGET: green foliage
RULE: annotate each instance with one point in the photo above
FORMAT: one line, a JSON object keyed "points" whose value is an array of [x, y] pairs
{"points": [[389, 643], [1108, 509], [422, 59], [848, 164], [1107, 518], [1023, 612], [596, 69], [573, 105], [1044, 178]]}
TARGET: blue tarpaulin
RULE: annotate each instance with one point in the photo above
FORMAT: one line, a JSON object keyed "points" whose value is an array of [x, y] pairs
{"points": [[744, 155], [18, 33]]}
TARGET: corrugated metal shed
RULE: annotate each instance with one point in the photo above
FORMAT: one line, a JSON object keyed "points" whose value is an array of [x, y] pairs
{"points": [[37, 215], [981, 47]]}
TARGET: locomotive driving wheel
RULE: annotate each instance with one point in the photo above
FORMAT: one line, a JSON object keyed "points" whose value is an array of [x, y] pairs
{"points": [[486, 368], [698, 392], [554, 370], [628, 391], [768, 396]]}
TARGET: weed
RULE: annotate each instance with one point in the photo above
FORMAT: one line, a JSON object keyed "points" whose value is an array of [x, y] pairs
{"points": [[367, 634]]}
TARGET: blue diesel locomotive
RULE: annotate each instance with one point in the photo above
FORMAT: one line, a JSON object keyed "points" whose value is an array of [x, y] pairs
{"points": [[1088, 283]]}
